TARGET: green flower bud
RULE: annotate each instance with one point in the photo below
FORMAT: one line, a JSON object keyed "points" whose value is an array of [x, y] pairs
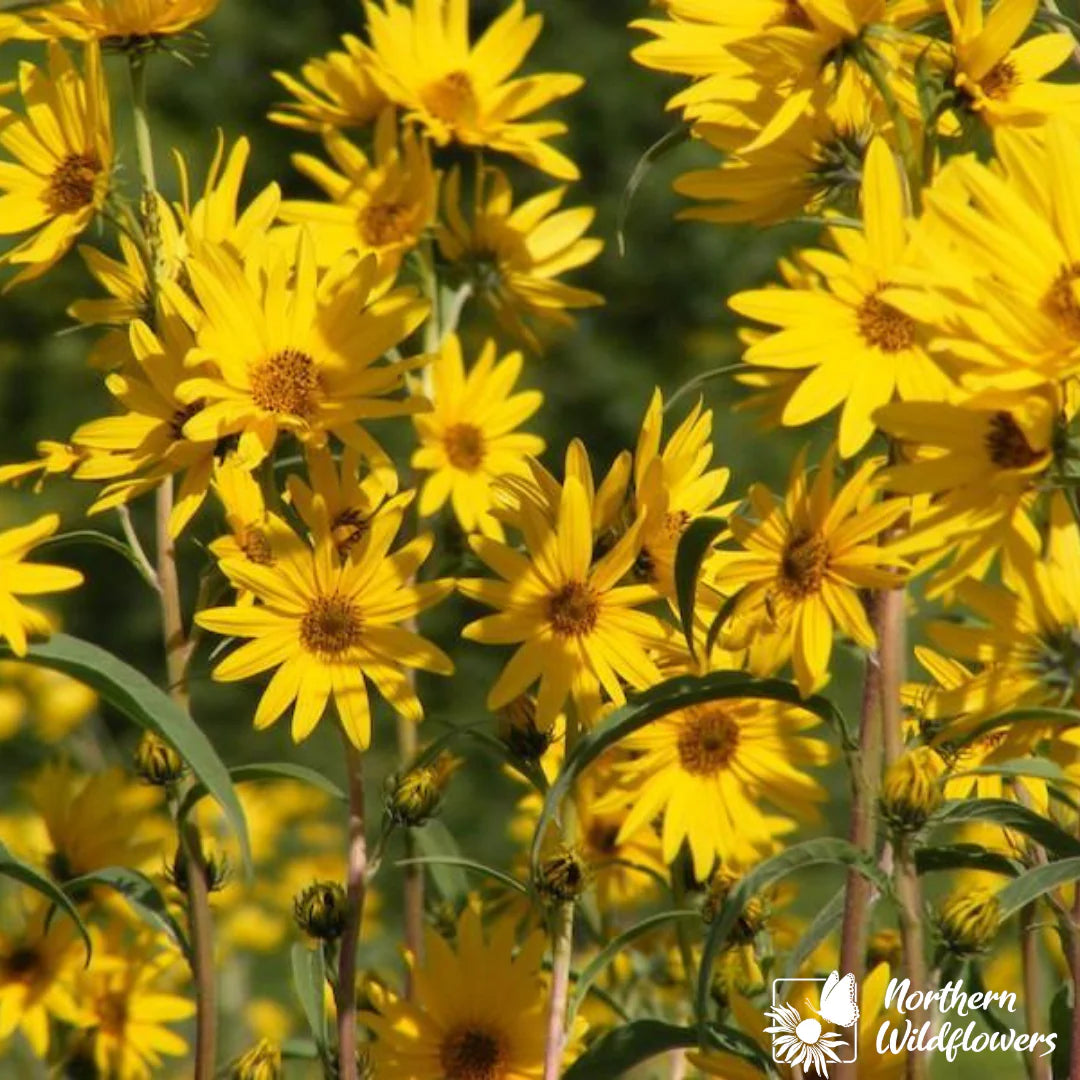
{"points": [[516, 726], [415, 796], [217, 870], [911, 790], [969, 921], [320, 910], [261, 1062], [563, 876], [754, 914], [157, 762]]}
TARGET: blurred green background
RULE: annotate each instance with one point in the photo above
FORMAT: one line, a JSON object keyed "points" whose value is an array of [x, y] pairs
{"points": [[665, 321]]}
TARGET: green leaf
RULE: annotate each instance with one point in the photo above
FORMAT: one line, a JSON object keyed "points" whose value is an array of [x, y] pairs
{"points": [[930, 860], [664, 145], [669, 696], [299, 1050], [700, 380], [611, 950], [1030, 886], [134, 695], [619, 1051], [694, 545], [467, 864], [436, 841], [722, 616], [143, 895], [99, 539], [13, 867], [1061, 1016], [1027, 715], [818, 930], [309, 978], [830, 850], [270, 770], [1011, 815], [1038, 768]]}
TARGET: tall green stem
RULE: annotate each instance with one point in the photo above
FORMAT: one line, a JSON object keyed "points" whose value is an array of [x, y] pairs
{"points": [[356, 888]]}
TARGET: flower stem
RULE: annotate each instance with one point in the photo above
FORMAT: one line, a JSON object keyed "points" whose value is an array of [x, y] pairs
{"points": [[413, 885], [1038, 1068], [1074, 1049], [356, 887], [562, 957], [909, 898]]}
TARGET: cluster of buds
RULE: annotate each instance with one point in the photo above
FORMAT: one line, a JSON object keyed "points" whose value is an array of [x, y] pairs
{"points": [[414, 797], [320, 910], [912, 789]]}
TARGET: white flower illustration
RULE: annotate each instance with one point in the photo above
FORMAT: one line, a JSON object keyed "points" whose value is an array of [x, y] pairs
{"points": [[802, 1042]]}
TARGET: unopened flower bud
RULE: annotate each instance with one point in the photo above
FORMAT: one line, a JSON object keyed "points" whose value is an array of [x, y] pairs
{"points": [[261, 1062], [320, 910], [518, 730], [968, 921], [563, 876], [157, 762], [911, 790], [751, 919], [215, 865], [415, 796], [885, 947]]}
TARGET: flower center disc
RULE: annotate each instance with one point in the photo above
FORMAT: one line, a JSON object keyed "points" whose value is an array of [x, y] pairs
{"points": [[1007, 445], [473, 1053], [1061, 303], [71, 186], [330, 626], [803, 563], [385, 223], [464, 445], [885, 327], [707, 741], [1000, 80], [450, 99], [255, 545], [573, 610], [286, 384]]}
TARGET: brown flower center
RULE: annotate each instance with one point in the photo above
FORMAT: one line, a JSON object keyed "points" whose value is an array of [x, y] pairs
{"points": [[1061, 303], [676, 522], [287, 383], [72, 184], [885, 327], [1007, 445], [450, 99], [349, 528], [464, 445], [803, 563], [112, 1010], [181, 417], [330, 626], [472, 1052], [602, 836], [1000, 81], [255, 545], [21, 964], [708, 740], [385, 223], [573, 610]]}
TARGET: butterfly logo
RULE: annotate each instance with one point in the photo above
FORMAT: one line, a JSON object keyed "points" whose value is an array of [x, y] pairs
{"points": [[805, 1042], [839, 1001]]}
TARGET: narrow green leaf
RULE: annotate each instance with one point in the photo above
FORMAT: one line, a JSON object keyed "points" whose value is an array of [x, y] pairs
{"points": [[691, 385], [819, 929], [1061, 1016], [591, 972], [100, 539], [667, 697], [269, 770], [930, 860], [831, 850], [1026, 715], [13, 867], [616, 1053], [1011, 815], [664, 145], [694, 545], [436, 841], [722, 616], [1030, 886], [467, 864], [299, 1050], [141, 893], [134, 695], [309, 979], [1037, 768]]}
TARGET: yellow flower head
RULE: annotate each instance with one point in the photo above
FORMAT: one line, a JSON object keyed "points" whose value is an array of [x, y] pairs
{"points": [[327, 624], [854, 334], [998, 79], [478, 1010], [87, 20], [804, 561], [340, 91], [470, 438], [261, 1062], [424, 62], [255, 534], [63, 155], [19, 578], [290, 351], [572, 621], [54, 459], [381, 206], [512, 256]]}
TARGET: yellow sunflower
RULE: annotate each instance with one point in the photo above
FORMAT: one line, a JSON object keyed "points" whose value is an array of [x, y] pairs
{"points": [[469, 439], [464, 93], [87, 20], [328, 624], [856, 336], [717, 774], [63, 155], [294, 352], [478, 1008], [37, 973], [574, 624], [19, 578], [804, 561], [512, 256], [334, 91], [380, 207]]}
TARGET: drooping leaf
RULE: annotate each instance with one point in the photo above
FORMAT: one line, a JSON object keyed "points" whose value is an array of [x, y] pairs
{"points": [[694, 545], [609, 953], [270, 770], [930, 860], [828, 850], [99, 539], [436, 841], [664, 145], [1037, 768], [468, 864], [136, 697], [13, 867], [141, 893], [309, 979], [1034, 883], [669, 696], [1011, 815], [1027, 715]]}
